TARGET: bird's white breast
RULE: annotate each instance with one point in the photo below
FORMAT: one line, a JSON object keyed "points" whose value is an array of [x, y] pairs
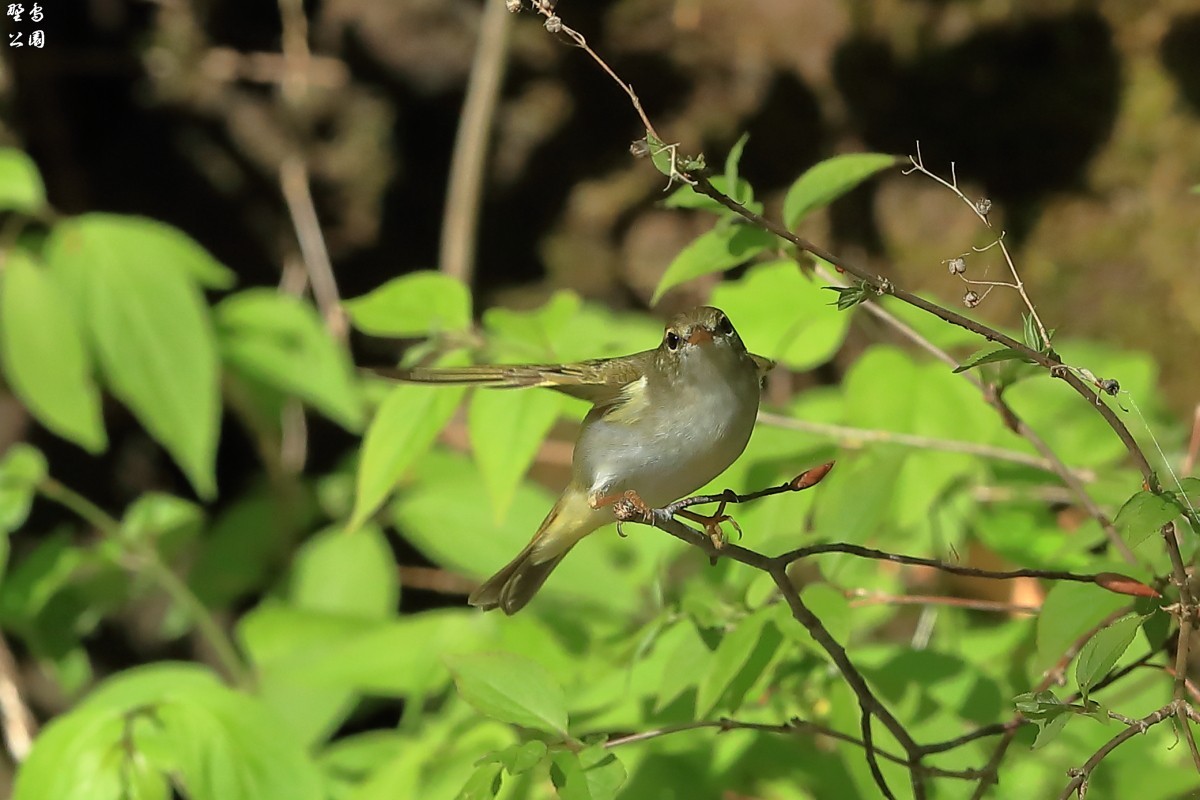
{"points": [[689, 432]]}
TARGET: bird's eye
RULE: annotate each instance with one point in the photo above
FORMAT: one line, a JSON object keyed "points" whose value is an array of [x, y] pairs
{"points": [[725, 326], [672, 340]]}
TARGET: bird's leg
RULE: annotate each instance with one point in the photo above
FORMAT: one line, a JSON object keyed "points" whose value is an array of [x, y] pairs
{"points": [[712, 524], [629, 497]]}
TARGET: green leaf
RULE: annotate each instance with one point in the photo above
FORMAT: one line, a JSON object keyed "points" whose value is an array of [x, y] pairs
{"points": [[519, 757], [22, 468], [1143, 515], [446, 515], [603, 772], [781, 314], [155, 515], [149, 327], [1032, 334], [687, 197], [280, 340], [828, 180], [1101, 652], [416, 304], [483, 784], [167, 720], [660, 155], [850, 296], [732, 654], [1069, 611], [150, 243], [511, 689], [506, 428], [346, 573], [21, 187], [1046, 711], [41, 347], [722, 248], [568, 777], [685, 666], [987, 356], [404, 427], [534, 335], [731, 164]]}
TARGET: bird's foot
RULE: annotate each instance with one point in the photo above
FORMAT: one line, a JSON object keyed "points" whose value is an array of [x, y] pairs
{"points": [[712, 525], [626, 505]]}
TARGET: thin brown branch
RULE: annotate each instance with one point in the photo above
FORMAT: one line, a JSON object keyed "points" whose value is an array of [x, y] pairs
{"points": [[632, 511], [19, 726], [883, 286], [848, 436], [795, 726], [1193, 451], [1080, 776], [1187, 616], [461, 213], [297, 194], [431, 579], [865, 597]]}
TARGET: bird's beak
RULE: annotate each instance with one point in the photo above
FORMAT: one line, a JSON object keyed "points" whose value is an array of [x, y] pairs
{"points": [[700, 335]]}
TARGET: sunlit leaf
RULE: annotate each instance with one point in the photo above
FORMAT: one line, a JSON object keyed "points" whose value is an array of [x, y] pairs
{"points": [[506, 428], [722, 248], [512, 689], [280, 340], [404, 427], [1143, 515], [41, 347], [21, 187], [828, 180], [416, 304], [1101, 652], [135, 284]]}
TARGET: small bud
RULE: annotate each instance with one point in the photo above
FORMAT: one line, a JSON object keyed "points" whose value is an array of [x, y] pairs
{"points": [[513, 6], [810, 477], [956, 266], [1123, 584], [554, 24], [970, 299], [983, 206], [639, 148]]}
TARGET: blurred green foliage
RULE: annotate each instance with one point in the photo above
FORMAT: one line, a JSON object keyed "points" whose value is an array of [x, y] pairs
{"points": [[631, 635]]}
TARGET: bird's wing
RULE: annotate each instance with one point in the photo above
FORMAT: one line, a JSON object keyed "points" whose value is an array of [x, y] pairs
{"points": [[599, 381], [764, 365]]}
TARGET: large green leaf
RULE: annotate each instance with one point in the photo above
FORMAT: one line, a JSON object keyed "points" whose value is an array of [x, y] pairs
{"points": [[403, 429], [445, 513], [21, 186], [736, 652], [1069, 611], [145, 318], [506, 429], [1101, 652], [346, 573], [1143, 515], [167, 720], [41, 347], [413, 305], [512, 689], [280, 340], [828, 180], [723, 247], [783, 315]]}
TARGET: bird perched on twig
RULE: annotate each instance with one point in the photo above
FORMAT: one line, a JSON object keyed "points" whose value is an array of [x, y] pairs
{"points": [[663, 423]]}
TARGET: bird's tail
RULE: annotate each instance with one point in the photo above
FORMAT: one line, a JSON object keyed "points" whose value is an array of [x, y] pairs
{"points": [[516, 584], [518, 581]]}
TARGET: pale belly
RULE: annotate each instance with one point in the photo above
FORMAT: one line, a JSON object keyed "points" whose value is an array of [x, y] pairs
{"points": [[673, 449]]}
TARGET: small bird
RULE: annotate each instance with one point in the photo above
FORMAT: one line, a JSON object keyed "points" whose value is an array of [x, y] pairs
{"points": [[663, 423]]}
